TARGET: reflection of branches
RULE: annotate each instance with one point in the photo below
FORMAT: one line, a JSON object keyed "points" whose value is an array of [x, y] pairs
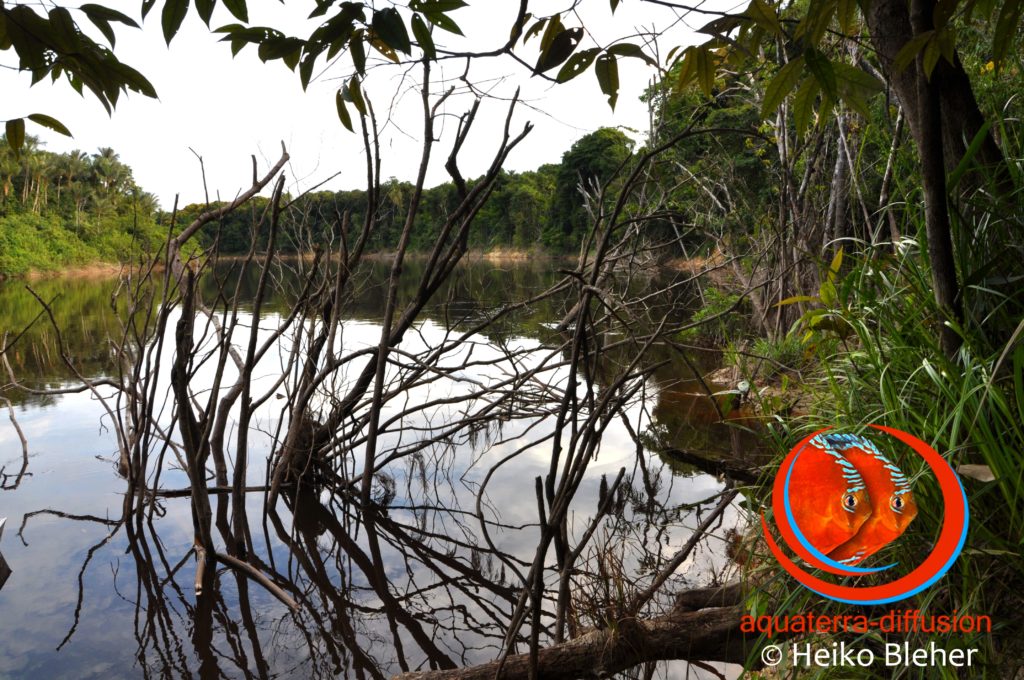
{"points": [[18, 476], [390, 460]]}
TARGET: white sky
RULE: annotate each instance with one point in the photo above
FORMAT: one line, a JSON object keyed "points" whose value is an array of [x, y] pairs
{"points": [[227, 109]]}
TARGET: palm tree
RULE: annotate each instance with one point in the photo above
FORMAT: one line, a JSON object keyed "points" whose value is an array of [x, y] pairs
{"points": [[112, 177], [79, 187]]}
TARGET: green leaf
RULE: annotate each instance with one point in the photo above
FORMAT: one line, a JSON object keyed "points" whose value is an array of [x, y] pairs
{"points": [[705, 70], [1006, 29], [537, 27], [846, 12], [16, 135], [238, 9], [517, 28], [972, 150], [389, 27], [63, 29], [803, 104], [615, 5], [355, 95], [306, 68], [816, 21], [909, 51], [343, 114], [280, 47], [930, 58], [101, 17], [837, 263], [172, 16], [384, 49], [133, 79], [855, 86], [554, 27], [438, 5], [781, 85], [50, 122], [631, 50], [105, 29], [204, 8], [358, 52], [577, 64], [821, 68], [607, 71], [794, 299], [558, 50], [764, 16], [828, 294], [688, 68], [422, 33], [443, 21], [102, 12]]}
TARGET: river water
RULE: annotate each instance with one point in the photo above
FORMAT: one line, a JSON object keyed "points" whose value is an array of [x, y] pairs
{"points": [[88, 596]]}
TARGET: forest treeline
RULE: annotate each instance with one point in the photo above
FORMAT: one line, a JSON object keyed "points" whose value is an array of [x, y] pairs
{"points": [[60, 209], [76, 208]]}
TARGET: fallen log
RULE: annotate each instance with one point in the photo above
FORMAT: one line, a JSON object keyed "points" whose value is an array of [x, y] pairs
{"points": [[711, 633]]}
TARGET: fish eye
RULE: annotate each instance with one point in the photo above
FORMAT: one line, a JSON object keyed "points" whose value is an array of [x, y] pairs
{"points": [[849, 501], [897, 503]]}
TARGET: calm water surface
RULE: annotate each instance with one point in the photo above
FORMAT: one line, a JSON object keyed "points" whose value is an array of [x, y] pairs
{"points": [[88, 597]]}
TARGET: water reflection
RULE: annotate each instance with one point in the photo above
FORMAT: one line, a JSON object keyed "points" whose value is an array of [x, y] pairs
{"points": [[427, 576]]}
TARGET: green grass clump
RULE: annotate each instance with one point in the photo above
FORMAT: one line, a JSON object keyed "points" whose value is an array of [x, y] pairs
{"points": [[887, 368]]}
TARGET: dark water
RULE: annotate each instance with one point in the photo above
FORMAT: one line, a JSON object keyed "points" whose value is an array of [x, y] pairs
{"points": [[92, 597]]}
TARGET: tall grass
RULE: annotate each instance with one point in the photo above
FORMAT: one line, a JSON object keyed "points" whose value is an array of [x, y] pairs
{"points": [[887, 368]]}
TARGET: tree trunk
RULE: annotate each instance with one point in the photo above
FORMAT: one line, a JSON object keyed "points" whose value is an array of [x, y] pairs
{"points": [[943, 117], [712, 633], [890, 26]]}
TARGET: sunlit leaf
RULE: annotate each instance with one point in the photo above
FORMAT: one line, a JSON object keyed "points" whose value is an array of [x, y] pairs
{"points": [[827, 293], [795, 299], [803, 104], [836, 265]]}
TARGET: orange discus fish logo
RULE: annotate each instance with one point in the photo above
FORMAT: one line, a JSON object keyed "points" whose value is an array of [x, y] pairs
{"points": [[838, 499]]}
